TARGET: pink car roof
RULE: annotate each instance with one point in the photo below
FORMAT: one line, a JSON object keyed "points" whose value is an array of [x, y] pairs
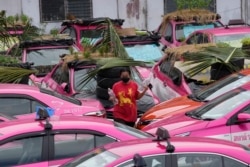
{"points": [[225, 31], [181, 144], [10, 128], [13, 87]]}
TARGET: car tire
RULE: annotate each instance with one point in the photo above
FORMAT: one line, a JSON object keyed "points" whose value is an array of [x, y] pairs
{"points": [[110, 72], [102, 93], [106, 82]]}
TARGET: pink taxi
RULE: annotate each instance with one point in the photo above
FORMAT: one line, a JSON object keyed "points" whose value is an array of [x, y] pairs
{"points": [[178, 25], [30, 142], [166, 152], [68, 81], [225, 117], [21, 101], [231, 35], [43, 51]]}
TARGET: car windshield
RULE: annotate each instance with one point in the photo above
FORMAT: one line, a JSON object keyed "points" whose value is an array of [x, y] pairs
{"points": [[90, 86], [98, 157], [222, 86], [222, 105], [90, 36], [232, 39], [46, 56], [183, 30], [132, 131], [60, 96], [148, 52], [79, 76]]}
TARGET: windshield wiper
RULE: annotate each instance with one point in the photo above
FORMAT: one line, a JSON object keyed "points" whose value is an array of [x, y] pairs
{"points": [[195, 97], [193, 115], [207, 119]]}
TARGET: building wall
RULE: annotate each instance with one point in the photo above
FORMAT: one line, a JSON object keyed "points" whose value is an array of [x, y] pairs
{"points": [[12, 7], [246, 10], [105, 8], [155, 13], [229, 9], [141, 14]]}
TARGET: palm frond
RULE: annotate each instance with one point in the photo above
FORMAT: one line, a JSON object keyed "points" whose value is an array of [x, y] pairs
{"points": [[13, 74], [201, 60], [111, 39], [106, 63]]}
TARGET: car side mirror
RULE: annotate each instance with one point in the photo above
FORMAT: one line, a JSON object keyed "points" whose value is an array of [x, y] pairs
{"points": [[243, 117], [65, 87]]}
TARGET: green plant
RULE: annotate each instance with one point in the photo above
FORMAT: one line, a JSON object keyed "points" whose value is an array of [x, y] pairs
{"points": [[54, 32], [192, 4], [245, 41]]}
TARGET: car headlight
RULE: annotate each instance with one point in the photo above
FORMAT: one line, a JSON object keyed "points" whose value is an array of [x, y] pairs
{"points": [[183, 134], [101, 113]]}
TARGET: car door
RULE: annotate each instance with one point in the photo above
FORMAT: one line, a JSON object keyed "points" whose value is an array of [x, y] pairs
{"points": [[24, 149], [57, 79], [70, 143], [19, 105], [240, 130]]}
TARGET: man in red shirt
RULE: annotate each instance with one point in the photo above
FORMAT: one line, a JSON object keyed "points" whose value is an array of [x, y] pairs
{"points": [[126, 92]]}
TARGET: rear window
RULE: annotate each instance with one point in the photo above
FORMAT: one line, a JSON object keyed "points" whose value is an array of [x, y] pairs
{"points": [[184, 30], [132, 131]]}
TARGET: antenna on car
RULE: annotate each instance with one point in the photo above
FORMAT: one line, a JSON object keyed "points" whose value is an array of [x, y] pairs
{"points": [[162, 134], [139, 161], [43, 113]]}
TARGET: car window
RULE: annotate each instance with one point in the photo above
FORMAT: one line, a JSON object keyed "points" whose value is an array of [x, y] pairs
{"points": [[35, 104], [232, 39], [223, 85], [42, 57], [206, 160], [183, 30], [15, 105], [169, 33], [21, 151], [202, 38], [70, 145], [192, 160], [79, 75], [228, 162], [61, 75], [151, 161], [90, 36], [222, 105], [98, 157], [70, 31], [192, 39]]}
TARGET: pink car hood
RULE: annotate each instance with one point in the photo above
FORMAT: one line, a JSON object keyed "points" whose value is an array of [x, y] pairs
{"points": [[177, 124], [91, 103]]}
